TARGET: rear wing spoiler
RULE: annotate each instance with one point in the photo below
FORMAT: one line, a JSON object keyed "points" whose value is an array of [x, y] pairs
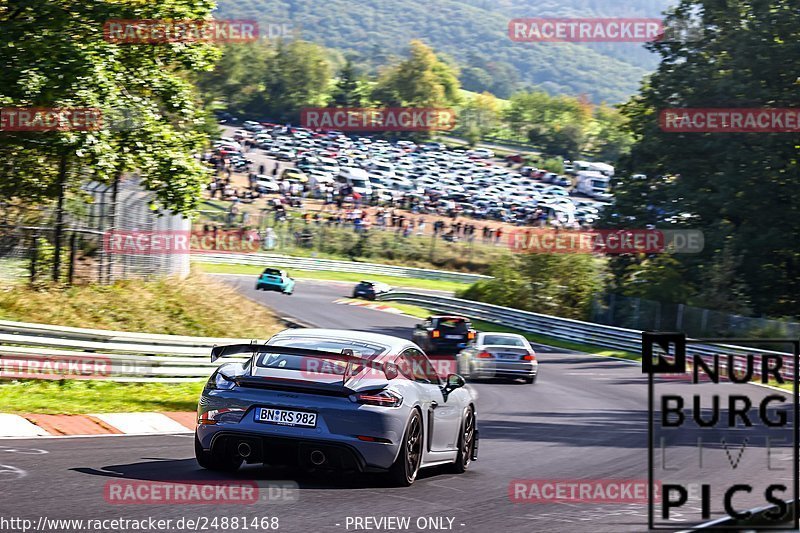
{"points": [[389, 369]]}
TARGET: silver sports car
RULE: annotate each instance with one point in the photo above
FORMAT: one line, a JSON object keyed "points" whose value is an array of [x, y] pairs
{"points": [[498, 355], [334, 399]]}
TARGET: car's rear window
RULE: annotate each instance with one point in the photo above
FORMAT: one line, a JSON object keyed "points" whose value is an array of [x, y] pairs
{"points": [[272, 272], [503, 340], [452, 325], [277, 360]]}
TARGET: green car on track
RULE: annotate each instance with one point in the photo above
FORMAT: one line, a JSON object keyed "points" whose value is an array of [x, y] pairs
{"points": [[273, 279]]}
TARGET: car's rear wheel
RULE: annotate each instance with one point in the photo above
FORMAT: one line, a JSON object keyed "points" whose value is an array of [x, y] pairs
{"points": [[530, 380], [211, 461], [405, 468], [466, 443]]}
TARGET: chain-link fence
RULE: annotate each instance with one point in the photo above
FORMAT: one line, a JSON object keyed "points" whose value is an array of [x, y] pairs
{"points": [[649, 315], [28, 251]]}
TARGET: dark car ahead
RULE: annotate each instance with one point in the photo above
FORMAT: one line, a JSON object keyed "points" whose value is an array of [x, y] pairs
{"points": [[443, 334], [370, 289]]}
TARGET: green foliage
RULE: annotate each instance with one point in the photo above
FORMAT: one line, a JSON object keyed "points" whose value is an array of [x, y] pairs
{"points": [[657, 278], [422, 80], [271, 80], [349, 90], [560, 285], [54, 55], [478, 117], [565, 126], [475, 34], [740, 189]]}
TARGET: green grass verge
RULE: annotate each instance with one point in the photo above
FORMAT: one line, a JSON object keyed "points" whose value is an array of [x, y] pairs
{"points": [[198, 305], [80, 397], [394, 281]]}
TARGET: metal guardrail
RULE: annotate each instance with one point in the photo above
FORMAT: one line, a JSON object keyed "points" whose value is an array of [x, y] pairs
{"points": [[310, 263], [55, 352], [44, 351], [628, 340]]}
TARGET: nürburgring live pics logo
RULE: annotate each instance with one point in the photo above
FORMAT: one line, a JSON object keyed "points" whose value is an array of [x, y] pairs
{"points": [[713, 426]]}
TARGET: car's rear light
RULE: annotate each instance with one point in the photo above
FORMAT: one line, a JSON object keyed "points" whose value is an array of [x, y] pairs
{"points": [[383, 398], [529, 357], [367, 438], [221, 416], [485, 355], [471, 335], [435, 333]]}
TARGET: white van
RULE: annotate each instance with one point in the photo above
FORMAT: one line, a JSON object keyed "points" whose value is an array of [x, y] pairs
{"points": [[602, 168], [593, 184], [357, 178]]}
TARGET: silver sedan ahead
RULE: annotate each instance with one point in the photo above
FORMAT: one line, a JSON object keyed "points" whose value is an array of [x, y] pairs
{"points": [[498, 355]]}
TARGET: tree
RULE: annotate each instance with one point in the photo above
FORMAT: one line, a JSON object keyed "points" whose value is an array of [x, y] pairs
{"points": [[422, 80], [349, 90], [54, 55], [480, 116], [741, 189], [297, 76]]}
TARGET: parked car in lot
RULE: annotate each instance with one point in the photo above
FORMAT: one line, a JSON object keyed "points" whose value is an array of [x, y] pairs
{"points": [[266, 184], [444, 334], [480, 153], [273, 279], [335, 400], [370, 289], [498, 355], [285, 154], [294, 174]]}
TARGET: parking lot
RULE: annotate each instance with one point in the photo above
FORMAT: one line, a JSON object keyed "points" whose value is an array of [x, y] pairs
{"points": [[426, 179]]}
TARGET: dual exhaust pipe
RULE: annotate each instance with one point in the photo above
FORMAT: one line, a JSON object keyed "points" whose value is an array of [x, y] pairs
{"points": [[317, 457]]}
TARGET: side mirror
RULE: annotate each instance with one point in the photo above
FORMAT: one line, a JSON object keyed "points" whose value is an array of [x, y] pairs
{"points": [[454, 381]]}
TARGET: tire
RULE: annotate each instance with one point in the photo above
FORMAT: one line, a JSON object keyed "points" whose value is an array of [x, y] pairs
{"points": [[466, 444], [405, 468], [210, 461], [530, 380]]}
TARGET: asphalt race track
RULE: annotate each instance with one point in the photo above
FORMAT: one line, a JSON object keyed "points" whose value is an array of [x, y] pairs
{"points": [[585, 418]]}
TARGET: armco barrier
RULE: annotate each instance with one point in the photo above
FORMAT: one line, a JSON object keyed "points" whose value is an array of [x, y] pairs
{"points": [[310, 263], [125, 356], [46, 351], [566, 329]]}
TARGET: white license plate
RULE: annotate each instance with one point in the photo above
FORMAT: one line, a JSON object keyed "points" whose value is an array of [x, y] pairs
{"points": [[453, 336], [285, 417]]}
